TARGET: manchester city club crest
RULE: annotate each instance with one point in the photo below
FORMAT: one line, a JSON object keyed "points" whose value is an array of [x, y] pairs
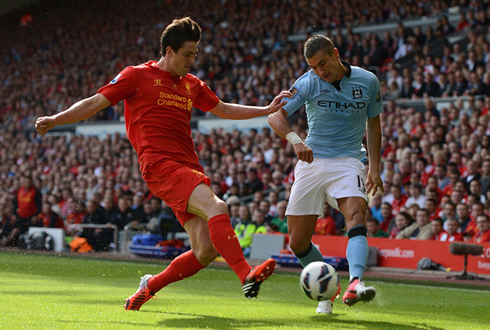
{"points": [[356, 93]]}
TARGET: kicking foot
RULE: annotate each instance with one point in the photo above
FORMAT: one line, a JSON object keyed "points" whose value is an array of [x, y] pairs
{"points": [[256, 276], [357, 291], [142, 295]]}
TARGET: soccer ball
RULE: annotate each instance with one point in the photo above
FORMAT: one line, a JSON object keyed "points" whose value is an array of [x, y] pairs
{"points": [[319, 281]]}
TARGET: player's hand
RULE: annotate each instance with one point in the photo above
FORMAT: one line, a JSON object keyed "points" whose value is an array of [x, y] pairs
{"points": [[374, 183], [44, 124], [303, 152], [278, 103]]}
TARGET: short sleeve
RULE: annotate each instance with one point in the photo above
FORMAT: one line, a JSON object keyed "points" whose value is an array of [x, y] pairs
{"points": [[207, 99], [300, 96], [121, 87], [376, 104]]}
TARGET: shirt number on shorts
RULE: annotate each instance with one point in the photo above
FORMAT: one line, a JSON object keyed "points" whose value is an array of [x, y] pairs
{"points": [[360, 184]]}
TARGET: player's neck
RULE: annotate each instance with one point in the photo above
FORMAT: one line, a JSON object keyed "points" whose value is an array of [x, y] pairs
{"points": [[342, 72], [165, 66]]}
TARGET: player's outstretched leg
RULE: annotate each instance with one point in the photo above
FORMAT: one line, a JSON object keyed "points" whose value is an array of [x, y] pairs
{"points": [[142, 295], [226, 243], [184, 266], [326, 306], [256, 276], [357, 291]]}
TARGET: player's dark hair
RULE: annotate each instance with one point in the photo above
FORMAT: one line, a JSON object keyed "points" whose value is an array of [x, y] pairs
{"points": [[178, 32], [318, 43]]}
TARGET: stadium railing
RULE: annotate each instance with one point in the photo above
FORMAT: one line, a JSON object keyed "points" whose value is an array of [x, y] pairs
{"points": [[440, 102], [102, 129], [126, 235], [379, 29]]}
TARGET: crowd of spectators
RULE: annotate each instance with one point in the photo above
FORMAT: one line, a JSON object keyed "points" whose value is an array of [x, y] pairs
{"points": [[67, 51], [430, 159]]}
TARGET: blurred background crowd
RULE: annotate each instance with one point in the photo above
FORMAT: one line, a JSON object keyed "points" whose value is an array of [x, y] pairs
{"points": [[434, 155]]}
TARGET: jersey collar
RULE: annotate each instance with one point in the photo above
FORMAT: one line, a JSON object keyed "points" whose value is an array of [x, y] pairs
{"points": [[349, 70], [154, 65], [336, 83]]}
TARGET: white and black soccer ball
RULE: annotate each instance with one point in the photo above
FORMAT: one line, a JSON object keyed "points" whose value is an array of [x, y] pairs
{"points": [[319, 281]]}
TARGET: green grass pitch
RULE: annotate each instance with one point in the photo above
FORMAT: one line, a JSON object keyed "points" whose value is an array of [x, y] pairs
{"points": [[66, 292]]}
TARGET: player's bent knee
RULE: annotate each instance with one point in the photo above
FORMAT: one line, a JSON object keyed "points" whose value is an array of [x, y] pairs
{"points": [[355, 219], [206, 255], [298, 246], [219, 207]]}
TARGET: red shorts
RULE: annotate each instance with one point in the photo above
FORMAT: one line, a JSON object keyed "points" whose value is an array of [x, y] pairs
{"points": [[174, 183]]}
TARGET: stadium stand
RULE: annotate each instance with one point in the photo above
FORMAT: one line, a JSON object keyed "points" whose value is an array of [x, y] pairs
{"points": [[432, 58]]}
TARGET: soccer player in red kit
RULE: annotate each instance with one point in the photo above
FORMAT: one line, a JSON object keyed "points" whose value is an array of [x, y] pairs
{"points": [[159, 97]]}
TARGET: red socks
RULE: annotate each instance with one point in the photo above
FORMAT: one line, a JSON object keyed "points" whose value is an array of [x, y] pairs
{"points": [[185, 265], [226, 243]]}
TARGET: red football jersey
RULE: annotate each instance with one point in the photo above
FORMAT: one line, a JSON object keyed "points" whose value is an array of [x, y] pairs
{"points": [[158, 111]]}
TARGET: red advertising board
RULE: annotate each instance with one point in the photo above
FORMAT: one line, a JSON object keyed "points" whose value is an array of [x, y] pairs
{"points": [[407, 253]]}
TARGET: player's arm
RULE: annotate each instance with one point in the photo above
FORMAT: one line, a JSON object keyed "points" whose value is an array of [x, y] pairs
{"points": [[281, 126], [374, 154], [238, 111], [77, 112]]}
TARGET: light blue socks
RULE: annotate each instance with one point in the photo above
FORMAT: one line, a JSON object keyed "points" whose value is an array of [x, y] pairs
{"points": [[357, 251], [310, 255]]}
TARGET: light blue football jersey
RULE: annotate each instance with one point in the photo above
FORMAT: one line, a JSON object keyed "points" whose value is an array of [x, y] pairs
{"points": [[337, 119]]}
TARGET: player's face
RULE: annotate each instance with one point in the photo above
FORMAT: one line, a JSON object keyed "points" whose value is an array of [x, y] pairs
{"points": [[183, 59], [326, 66]]}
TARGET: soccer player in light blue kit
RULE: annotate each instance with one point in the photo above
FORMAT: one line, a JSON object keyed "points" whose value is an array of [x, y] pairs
{"points": [[340, 99]]}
